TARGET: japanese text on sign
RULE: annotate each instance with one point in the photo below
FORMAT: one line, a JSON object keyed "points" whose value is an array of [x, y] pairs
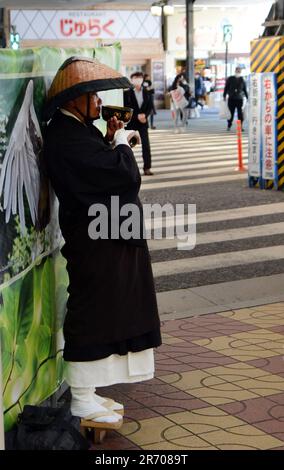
{"points": [[92, 28], [268, 126], [255, 125]]}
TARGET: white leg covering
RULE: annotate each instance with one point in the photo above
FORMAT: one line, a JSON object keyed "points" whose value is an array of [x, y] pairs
{"points": [[108, 402], [83, 404]]}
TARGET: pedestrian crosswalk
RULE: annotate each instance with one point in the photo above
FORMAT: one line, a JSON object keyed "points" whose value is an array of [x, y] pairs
{"points": [[242, 238]]}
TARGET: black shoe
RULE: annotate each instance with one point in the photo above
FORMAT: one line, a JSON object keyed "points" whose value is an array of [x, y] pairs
{"points": [[153, 127], [148, 173], [228, 128]]}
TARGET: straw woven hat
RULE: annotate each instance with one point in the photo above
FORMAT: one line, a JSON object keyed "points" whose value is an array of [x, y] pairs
{"points": [[80, 75]]}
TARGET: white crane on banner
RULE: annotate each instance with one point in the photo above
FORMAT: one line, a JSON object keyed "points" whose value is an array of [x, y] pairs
{"points": [[20, 169]]}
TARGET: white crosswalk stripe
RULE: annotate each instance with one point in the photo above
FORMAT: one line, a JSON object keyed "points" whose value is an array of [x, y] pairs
{"points": [[243, 239], [179, 159]]}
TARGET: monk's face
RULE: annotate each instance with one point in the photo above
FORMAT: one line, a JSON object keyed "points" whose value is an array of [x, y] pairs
{"points": [[95, 102]]}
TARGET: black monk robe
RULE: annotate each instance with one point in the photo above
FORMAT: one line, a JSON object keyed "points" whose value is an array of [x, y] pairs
{"points": [[112, 306]]}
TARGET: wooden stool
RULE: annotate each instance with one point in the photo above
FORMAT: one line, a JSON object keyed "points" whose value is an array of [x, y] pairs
{"points": [[97, 431]]}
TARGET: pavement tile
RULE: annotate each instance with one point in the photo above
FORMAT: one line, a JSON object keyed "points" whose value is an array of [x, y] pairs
{"points": [[279, 398], [263, 318], [205, 420], [241, 437], [259, 336], [206, 360], [219, 385], [185, 443], [277, 329], [273, 427], [213, 390], [168, 339], [236, 371], [194, 333], [147, 431], [275, 307], [115, 441], [172, 325], [253, 411], [265, 385], [172, 402], [275, 364], [141, 412], [236, 348]]}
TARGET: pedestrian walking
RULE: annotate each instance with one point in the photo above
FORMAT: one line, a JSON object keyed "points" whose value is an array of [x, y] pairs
{"points": [[147, 83], [111, 324], [236, 89], [180, 95], [200, 90], [140, 101]]}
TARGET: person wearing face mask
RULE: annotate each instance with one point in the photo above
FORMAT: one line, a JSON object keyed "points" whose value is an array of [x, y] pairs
{"points": [[140, 101], [111, 324], [236, 89]]}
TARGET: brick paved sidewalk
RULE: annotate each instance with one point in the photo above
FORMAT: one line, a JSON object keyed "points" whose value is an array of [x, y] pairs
{"points": [[219, 384]]}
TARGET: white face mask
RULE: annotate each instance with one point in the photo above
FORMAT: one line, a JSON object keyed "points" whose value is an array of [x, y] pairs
{"points": [[238, 74], [137, 81]]}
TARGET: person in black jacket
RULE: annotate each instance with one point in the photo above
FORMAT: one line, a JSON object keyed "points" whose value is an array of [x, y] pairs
{"points": [[236, 89], [112, 324], [140, 100]]}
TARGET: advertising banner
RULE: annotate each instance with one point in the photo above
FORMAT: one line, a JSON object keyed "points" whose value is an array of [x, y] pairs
{"points": [[85, 24], [33, 278]]}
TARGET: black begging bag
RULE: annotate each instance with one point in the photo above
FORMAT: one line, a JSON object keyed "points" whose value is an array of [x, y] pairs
{"points": [[45, 428]]}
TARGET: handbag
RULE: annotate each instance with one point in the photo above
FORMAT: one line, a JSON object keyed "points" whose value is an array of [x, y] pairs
{"points": [[180, 102], [47, 428]]}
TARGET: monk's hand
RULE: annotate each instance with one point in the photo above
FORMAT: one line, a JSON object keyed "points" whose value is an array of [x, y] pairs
{"points": [[113, 125], [142, 118]]}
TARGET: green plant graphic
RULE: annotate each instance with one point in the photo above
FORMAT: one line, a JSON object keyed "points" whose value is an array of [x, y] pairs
{"points": [[31, 319], [33, 276]]}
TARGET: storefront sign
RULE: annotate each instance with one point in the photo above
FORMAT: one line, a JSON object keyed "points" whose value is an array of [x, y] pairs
{"points": [[85, 24], [254, 165], [269, 117]]}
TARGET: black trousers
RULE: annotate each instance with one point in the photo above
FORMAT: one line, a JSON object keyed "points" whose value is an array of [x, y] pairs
{"points": [[146, 150], [234, 104]]}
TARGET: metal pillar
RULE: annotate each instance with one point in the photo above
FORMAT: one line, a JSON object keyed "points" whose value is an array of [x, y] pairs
{"points": [[226, 60], [2, 29], [189, 44]]}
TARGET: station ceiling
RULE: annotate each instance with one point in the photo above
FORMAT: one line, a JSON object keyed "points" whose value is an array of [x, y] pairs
{"points": [[35, 4]]}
